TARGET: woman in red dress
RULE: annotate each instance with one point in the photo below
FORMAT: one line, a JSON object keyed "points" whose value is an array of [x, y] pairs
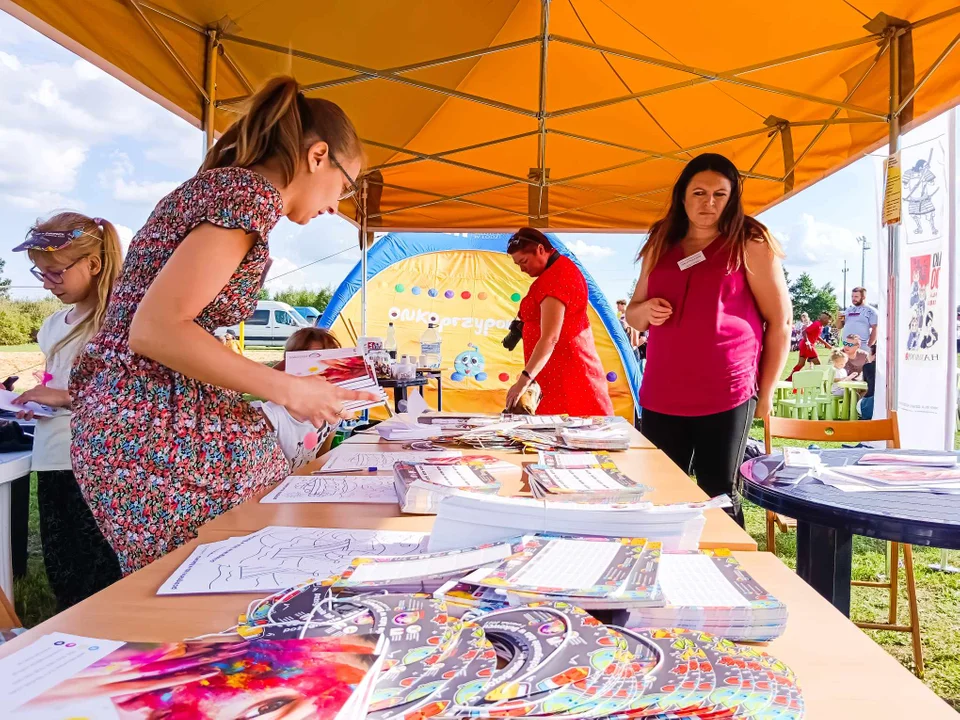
{"points": [[808, 342], [558, 347]]}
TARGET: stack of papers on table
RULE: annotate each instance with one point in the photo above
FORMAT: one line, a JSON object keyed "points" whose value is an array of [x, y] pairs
{"points": [[346, 367], [421, 486], [569, 459], [280, 557], [709, 591], [467, 519], [585, 484], [592, 573], [600, 436], [896, 472], [69, 676], [419, 573]]}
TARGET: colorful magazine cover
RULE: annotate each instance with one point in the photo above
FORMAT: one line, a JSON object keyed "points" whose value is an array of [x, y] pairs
{"points": [[197, 679]]}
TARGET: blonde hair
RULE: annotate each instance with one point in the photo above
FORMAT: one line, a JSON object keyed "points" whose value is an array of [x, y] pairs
{"points": [[837, 355], [304, 338], [280, 123], [98, 239]]}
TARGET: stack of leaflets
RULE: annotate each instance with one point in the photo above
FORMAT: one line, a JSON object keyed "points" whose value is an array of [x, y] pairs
{"points": [[902, 459], [798, 463], [468, 519], [549, 659], [574, 460], [419, 573], [315, 677], [583, 484], [709, 591], [600, 436], [422, 485], [345, 367], [592, 573], [896, 472]]}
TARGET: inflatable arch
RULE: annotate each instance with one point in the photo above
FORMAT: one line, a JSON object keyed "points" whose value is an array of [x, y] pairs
{"points": [[469, 286]]}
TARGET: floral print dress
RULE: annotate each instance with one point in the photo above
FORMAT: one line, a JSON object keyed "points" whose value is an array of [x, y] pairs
{"points": [[158, 454]]}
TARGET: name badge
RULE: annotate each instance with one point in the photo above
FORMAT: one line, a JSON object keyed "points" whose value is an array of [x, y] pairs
{"points": [[691, 260]]}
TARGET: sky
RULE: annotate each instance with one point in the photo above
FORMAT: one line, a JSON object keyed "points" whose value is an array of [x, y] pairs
{"points": [[73, 137]]}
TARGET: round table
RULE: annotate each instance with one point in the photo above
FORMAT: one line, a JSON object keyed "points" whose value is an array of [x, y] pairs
{"points": [[828, 518]]}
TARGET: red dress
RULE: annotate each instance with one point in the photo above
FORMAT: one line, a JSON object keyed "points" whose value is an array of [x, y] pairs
{"points": [[573, 380], [811, 336]]}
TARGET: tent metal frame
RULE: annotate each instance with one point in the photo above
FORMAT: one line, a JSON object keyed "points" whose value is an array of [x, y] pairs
{"points": [[538, 210]]}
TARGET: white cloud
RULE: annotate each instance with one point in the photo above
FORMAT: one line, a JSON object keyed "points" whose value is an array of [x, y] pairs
{"points": [[57, 108], [584, 249], [126, 235], [118, 179], [811, 243]]}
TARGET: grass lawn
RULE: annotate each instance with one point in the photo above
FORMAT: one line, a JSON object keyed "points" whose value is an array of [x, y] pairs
{"points": [[938, 593]]}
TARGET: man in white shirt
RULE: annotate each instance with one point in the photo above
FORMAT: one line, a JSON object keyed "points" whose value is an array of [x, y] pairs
{"points": [[860, 319]]}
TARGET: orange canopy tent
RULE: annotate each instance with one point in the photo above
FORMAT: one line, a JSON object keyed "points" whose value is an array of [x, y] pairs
{"points": [[566, 114], [575, 113]]}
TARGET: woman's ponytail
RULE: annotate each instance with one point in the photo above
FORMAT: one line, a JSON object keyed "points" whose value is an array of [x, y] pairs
{"points": [[279, 124]]}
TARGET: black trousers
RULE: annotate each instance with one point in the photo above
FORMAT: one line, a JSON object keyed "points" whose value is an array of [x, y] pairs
{"points": [[710, 447], [78, 559]]}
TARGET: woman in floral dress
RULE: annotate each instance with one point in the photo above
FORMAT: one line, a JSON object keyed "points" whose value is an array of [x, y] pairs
{"points": [[162, 438]]}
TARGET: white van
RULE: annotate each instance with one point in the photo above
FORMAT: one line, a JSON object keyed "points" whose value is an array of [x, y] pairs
{"points": [[270, 325]]}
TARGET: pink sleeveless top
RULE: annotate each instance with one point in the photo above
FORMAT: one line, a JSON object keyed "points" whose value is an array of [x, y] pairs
{"points": [[704, 358]]}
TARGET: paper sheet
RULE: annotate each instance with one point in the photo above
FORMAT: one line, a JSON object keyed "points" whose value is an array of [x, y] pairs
{"points": [[6, 403], [450, 475], [333, 489], [429, 566], [46, 662], [280, 557], [582, 479], [567, 564], [343, 459], [694, 580]]}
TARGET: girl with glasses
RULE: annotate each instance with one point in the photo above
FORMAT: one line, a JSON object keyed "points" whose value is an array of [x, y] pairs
{"points": [[163, 440], [78, 259]]}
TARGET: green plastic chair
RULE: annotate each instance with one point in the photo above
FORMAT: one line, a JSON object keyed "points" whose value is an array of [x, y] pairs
{"points": [[805, 403], [826, 398]]}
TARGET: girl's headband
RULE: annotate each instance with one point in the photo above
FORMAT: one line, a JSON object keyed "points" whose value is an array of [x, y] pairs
{"points": [[53, 240]]}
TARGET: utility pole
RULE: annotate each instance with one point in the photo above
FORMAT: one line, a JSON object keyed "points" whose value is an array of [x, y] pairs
{"points": [[845, 271], [864, 246]]}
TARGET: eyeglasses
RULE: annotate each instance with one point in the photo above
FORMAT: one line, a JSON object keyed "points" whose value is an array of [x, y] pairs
{"points": [[353, 185], [849, 344], [520, 238], [54, 276]]}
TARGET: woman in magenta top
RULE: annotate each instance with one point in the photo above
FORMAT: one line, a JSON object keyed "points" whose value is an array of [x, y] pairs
{"points": [[713, 296], [558, 347]]}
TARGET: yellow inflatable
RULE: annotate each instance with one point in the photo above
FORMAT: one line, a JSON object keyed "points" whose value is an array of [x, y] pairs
{"points": [[471, 289]]}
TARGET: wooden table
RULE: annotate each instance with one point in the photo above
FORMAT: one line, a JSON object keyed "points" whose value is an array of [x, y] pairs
{"points": [[842, 672], [652, 467], [13, 467]]}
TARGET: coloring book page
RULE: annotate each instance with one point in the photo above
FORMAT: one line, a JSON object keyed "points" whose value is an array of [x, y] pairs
{"points": [[280, 557], [333, 489], [350, 460]]}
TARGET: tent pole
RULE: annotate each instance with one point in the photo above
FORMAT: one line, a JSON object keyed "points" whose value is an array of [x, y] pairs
{"points": [[364, 187], [893, 249], [210, 77]]}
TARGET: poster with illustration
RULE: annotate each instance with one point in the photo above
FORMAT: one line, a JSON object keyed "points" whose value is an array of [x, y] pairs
{"points": [[470, 288], [924, 312]]}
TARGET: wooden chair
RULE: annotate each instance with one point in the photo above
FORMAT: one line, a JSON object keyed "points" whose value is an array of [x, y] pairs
{"points": [[854, 432], [8, 616]]}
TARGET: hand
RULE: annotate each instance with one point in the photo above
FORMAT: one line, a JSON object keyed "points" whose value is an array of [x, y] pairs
{"points": [[43, 395], [516, 390], [764, 406], [655, 311], [316, 400]]}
